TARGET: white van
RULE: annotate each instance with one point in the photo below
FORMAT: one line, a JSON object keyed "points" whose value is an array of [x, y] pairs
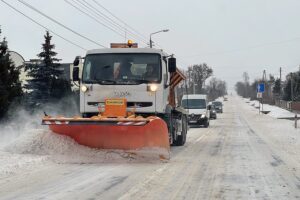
{"points": [[198, 108]]}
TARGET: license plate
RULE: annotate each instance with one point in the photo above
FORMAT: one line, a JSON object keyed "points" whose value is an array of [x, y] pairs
{"points": [[193, 121]]}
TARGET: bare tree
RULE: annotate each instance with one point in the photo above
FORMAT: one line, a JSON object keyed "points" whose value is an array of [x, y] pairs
{"points": [[199, 73], [216, 88]]}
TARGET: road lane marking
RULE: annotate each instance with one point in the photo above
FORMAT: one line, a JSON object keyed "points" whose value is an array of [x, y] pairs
{"points": [[200, 138]]}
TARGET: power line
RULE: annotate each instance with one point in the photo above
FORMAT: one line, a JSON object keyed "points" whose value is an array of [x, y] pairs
{"points": [[110, 20], [43, 26], [122, 21], [62, 25], [57, 22], [79, 9]]}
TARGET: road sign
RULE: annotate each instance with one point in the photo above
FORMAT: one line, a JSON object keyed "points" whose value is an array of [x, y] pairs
{"points": [[261, 88], [259, 95]]}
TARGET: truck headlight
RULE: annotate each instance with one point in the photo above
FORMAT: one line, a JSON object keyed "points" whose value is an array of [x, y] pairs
{"points": [[84, 88], [152, 88]]}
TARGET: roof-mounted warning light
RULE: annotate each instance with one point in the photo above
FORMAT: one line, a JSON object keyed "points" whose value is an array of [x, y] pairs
{"points": [[129, 44]]}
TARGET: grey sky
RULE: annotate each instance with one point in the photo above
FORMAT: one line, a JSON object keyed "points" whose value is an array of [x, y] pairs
{"points": [[232, 36]]}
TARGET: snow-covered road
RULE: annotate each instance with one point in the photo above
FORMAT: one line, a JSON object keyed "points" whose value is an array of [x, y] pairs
{"points": [[242, 155]]}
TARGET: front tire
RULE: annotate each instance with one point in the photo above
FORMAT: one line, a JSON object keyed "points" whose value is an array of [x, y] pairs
{"points": [[181, 139], [206, 125]]}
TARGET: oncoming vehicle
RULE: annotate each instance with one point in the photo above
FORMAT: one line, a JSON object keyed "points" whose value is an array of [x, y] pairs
{"points": [[199, 111], [218, 106], [213, 112]]}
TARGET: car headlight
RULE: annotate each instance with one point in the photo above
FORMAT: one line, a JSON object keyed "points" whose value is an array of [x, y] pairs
{"points": [[202, 116], [152, 88], [84, 88]]}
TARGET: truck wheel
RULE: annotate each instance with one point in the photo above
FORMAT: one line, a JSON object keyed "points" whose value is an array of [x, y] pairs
{"points": [[206, 124], [181, 139]]}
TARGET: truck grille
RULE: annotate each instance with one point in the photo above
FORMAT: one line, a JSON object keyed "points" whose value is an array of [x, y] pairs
{"points": [[129, 104], [194, 118]]}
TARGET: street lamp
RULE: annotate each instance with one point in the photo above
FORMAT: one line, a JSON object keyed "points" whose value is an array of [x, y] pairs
{"points": [[165, 30]]}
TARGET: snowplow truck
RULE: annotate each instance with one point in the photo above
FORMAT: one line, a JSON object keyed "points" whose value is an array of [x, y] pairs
{"points": [[127, 100]]}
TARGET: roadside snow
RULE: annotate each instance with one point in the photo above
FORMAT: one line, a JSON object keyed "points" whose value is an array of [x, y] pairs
{"points": [[41, 148], [63, 149], [25, 147], [11, 163], [275, 111]]}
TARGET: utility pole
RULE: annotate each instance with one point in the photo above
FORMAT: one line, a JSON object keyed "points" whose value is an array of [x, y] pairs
{"points": [[280, 74], [193, 87], [292, 90], [264, 78], [189, 79], [280, 82]]}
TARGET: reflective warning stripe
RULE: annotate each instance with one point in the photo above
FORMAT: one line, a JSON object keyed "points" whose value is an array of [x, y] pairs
{"points": [[131, 123], [140, 123], [56, 122]]}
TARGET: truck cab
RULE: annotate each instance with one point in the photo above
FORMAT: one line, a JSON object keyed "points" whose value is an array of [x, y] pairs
{"points": [[198, 108], [124, 73]]}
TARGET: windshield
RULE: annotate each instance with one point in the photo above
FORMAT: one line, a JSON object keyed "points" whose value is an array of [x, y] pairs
{"points": [[217, 103], [122, 68], [194, 103]]}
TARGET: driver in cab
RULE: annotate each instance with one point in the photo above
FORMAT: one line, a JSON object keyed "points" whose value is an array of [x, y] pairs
{"points": [[150, 73]]}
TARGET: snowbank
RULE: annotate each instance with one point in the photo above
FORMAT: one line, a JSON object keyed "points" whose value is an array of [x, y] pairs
{"points": [[275, 111], [63, 149], [41, 148]]}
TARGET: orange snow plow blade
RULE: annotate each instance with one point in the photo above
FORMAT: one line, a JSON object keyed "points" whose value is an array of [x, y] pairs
{"points": [[113, 133]]}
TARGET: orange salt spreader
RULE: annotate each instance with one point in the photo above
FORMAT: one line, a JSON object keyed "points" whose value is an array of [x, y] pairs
{"points": [[114, 128]]}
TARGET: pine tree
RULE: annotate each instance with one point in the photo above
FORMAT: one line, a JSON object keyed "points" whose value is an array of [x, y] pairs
{"points": [[10, 84], [46, 82]]}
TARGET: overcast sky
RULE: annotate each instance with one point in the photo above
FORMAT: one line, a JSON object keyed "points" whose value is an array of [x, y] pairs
{"points": [[231, 36]]}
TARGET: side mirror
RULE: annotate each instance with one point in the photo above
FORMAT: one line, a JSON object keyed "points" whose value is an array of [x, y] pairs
{"points": [[209, 107], [75, 74], [172, 65], [76, 61]]}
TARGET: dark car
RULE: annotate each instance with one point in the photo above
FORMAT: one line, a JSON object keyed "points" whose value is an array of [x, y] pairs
{"points": [[218, 106], [213, 112]]}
